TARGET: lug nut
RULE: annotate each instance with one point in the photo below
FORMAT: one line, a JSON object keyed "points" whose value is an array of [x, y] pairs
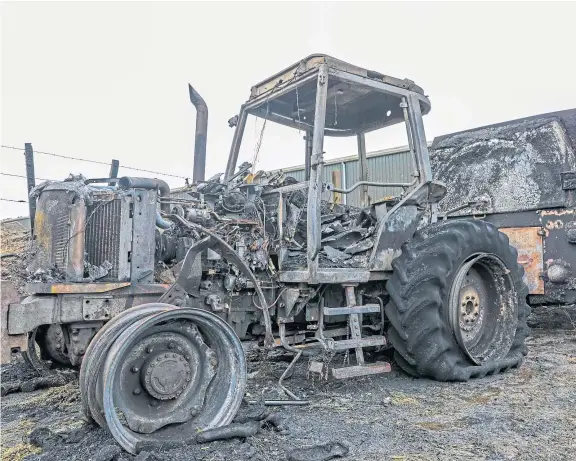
{"points": [[137, 391], [134, 369], [149, 349], [171, 346]]}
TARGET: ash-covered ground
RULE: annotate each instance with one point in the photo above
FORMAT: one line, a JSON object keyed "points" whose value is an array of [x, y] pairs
{"points": [[524, 414]]}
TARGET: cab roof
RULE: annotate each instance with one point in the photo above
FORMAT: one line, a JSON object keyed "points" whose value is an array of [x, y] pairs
{"points": [[352, 107]]}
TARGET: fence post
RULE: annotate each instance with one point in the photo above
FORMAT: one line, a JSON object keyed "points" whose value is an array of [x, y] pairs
{"points": [[114, 171], [31, 181]]}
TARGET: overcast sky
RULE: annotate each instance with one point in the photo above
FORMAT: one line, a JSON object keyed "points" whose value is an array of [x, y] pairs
{"points": [[109, 80]]}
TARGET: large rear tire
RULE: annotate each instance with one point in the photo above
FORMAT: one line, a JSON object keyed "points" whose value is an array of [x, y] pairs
{"points": [[458, 305]]}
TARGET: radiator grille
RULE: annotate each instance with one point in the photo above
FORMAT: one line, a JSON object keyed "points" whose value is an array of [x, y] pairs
{"points": [[103, 236], [60, 219], [107, 226], [52, 231]]}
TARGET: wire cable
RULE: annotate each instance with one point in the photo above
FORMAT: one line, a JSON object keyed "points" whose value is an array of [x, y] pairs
{"points": [[98, 162], [12, 200], [25, 177], [271, 305]]}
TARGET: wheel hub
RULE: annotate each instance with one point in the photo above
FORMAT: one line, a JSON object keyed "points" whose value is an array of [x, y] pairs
{"points": [[166, 375], [483, 308], [169, 369], [470, 305]]}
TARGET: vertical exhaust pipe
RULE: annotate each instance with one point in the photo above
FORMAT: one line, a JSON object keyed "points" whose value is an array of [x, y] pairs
{"points": [[200, 136]]}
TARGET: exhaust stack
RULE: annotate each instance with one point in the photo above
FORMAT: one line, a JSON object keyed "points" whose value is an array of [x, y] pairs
{"points": [[200, 136]]}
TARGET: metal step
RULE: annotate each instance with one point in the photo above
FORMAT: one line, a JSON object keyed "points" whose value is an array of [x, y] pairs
{"points": [[356, 341], [361, 370], [368, 341], [365, 309]]}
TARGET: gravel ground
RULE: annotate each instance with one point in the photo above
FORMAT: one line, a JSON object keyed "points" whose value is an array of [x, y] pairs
{"points": [[524, 414]]}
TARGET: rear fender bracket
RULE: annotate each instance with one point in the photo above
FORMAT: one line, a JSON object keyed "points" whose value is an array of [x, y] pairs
{"points": [[10, 343]]}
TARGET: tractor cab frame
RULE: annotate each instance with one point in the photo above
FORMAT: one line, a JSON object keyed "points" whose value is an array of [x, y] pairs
{"points": [[323, 96]]}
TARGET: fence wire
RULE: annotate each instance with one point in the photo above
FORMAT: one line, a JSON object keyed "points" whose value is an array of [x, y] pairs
{"points": [[98, 162], [53, 154]]}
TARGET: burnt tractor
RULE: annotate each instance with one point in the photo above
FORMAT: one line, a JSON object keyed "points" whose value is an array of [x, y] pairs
{"points": [[158, 297]]}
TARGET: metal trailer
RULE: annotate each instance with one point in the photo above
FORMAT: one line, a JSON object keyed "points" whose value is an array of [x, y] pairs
{"points": [[155, 304], [520, 176]]}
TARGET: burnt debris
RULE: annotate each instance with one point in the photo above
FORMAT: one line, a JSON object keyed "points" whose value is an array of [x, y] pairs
{"points": [[240, 430]]}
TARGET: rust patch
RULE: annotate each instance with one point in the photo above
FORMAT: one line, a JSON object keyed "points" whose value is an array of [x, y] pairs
{"points": [[530, 254], [554, 212], [86, 287], [557, 224], [66, 288]]}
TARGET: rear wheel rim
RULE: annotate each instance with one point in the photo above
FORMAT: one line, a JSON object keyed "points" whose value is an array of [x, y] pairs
{"points": [[483, 308]]}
